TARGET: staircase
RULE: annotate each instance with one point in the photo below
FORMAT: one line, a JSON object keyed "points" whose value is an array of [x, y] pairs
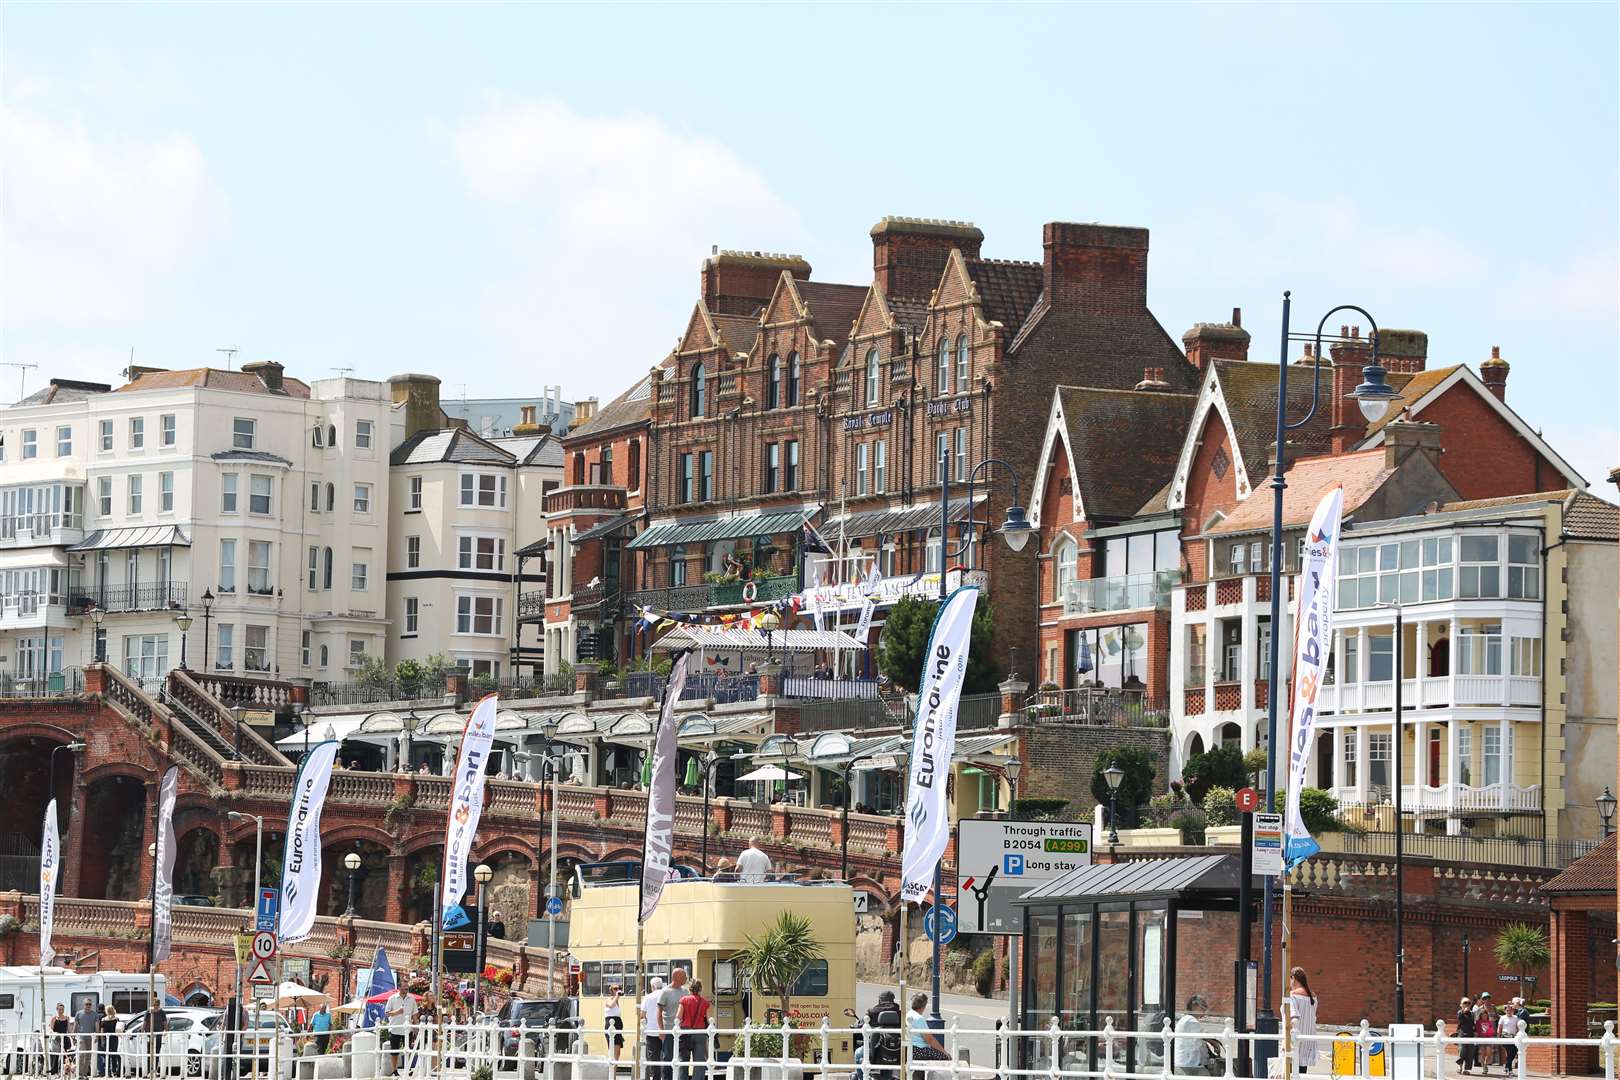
{"points": [[198, 727], [216, 724], [154, 719]]}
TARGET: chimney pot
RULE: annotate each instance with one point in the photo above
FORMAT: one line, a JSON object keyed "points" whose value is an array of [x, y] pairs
{"points": [[1344, 330], [1494, 373], [1237, 316], [1496, 352]]}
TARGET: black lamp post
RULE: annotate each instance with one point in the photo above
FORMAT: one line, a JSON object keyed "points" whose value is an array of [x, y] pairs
{"points": [[304, 717], [710, 760], [843, 857], [182, 619], [352, 861], [96, 615], [1465, 965], [1373, 396], [1113, 774], [1605, 807], [1400, 816], [208, 615]]}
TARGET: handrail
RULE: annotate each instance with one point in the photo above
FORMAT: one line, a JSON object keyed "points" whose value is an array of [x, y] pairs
{"points": [[131, 702], [211, 710]]}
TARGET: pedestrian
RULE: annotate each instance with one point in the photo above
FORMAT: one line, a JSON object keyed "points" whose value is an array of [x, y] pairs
{"points": [[651, 1031], [321, 1025], [694, 1024], [157, 1021], [87, 1025], [753, 865], [1467, 1053], [110, 1065], [925, 1045], [1192, 1055], [1508, 1028], [60, 1023], [885, 1021], [613, 1019], [400, 1012], [1485, 1028], [1303, 1003], [669, 1011]]}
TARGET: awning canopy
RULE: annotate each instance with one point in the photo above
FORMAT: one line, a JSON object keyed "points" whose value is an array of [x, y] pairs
{"points": [[321, 729], [731, 528], [605, 528], [139, 536], [909, 519], [704, 637], [1218, 874]]}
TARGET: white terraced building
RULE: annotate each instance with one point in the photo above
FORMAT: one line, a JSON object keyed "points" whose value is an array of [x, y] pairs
{"points": [[257, 496]]}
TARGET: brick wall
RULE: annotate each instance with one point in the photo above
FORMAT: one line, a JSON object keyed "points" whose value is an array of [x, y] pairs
{"points": [[1059, 758]]}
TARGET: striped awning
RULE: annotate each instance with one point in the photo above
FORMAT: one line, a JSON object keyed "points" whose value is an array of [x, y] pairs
{"points": [[139, 536], [899, 520], [730, 528]]}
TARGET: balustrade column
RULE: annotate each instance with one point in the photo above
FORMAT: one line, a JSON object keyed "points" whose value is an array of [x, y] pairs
{"points": [[1363, 765], [1420, 665], [1505, 757], [1420, 760], [1455, 661], [1363, 666]]}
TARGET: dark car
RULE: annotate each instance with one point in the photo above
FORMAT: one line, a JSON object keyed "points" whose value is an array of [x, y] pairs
{"points": [[527, 1021], [193, 900]]}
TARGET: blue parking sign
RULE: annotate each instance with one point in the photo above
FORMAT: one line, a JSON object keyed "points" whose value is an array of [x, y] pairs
{"points": [[1012, 865], [269, 907]]}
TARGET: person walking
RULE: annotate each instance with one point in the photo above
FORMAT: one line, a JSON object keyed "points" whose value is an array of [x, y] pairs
{"points": [[925, 1044], [321, 1026], [694, 1025], [1192, 1054], [651, 1029], [87, 1025], [110, 1064], [1303, 1003], [1508, 1027], [1485, 1028], [753, 865], [399, 1011], [613, 1019], [1467, 1053], [61, 1023]]}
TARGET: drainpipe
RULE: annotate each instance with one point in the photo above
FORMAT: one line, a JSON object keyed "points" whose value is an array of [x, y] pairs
{"points": [[1546, 618]]}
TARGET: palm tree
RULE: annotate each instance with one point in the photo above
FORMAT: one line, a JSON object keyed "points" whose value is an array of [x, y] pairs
{"points": [[1520, 948], [775, 959]]}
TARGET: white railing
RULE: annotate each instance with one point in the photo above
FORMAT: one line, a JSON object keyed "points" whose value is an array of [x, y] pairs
{"points": [[1427, 692]]}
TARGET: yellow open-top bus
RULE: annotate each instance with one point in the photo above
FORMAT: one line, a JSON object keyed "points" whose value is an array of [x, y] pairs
{"points": [[700, 925]]}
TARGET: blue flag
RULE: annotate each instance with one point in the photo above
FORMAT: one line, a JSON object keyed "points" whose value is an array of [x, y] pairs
{"points": [[382, 978], [455, 917]]}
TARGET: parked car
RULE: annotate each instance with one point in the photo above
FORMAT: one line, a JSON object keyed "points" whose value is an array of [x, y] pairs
{"points": [[193, 900], [524, 1023], [179, 1051], [254, 1049]]}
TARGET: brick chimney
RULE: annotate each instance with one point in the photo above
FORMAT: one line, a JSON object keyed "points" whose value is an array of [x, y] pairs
{"points": [[909, 254], [1152, 381], [1405, 351], [741, 282], [1402, 438], [269, 373], [1349, 355], [1094, 269], [420, 396], [1494, 373], [1216, 341]]}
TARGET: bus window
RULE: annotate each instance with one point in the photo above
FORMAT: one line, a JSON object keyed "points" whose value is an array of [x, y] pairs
{"points": [[812, 981], [125, 1002], [683, 965], [613, 974], [725, 976], [8, 1001], [591, 979], [658, 969]]}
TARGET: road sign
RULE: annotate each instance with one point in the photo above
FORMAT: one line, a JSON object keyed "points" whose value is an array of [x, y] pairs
{"points": [[999, 860], [1516, 978], [1247, 800], [259, 972], [264, 944], [554, 906], [940, 924], [268, 908], [1268, 845], [244, 947], [863, 902], [264, 991]]}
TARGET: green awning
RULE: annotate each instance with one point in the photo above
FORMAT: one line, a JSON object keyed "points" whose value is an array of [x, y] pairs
{"points": [[730, 528]]}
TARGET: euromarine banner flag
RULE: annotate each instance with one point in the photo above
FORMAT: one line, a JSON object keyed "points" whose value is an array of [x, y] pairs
{"points": [[301, 858], [50, 866], [1313, 644], [467, 798], [933, 742], [659, 848], [163, 885]]}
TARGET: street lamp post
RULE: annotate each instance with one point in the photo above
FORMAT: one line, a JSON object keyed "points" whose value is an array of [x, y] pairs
{"points": [[1113, 775], [1373, 396], [238, 713], [482, 875], [843, 855], [789, 746], [768, 622], [1400, 817], [1465, 965], [182, 619], [305, 715], [1605, 808], [208, 614], [96, 615], [352, 862], [710, 760]]}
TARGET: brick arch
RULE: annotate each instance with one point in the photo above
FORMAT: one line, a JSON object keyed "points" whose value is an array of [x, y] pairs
{"points": [[356, 831], [419, 842], [577, 852], [143, 773], [46, 732], [503, 845], [617, 854]]}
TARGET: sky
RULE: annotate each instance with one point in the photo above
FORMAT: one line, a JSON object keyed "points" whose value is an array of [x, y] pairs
{"points": [[515, 196]]}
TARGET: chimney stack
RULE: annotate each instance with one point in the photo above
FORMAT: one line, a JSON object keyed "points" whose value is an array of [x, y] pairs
{"points": [[742, 282], [584, 412], [1402, 438], [1095, 269], [1153, 380], [1406, 351], [420, 396], [1494, 373], [1349, 355], [1216, 341], [527, 423], [909, 254], [269, 373]]}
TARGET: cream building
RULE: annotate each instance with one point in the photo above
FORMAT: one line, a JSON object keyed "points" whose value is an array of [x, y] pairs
{"points": [[254, 502]]}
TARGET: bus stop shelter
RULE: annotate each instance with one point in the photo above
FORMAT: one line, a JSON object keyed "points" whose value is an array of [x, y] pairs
{"points": [[1129, 942]]}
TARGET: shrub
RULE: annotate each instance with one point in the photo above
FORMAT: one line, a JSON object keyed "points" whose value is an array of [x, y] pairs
{"points": [[1161, 808], [1135, 787], [1319, 809], [1037, 809], [1219, 809], [984, 972], [607, 669], [1220, 767], [1190, 822], [1254, 764], [905, 638]]}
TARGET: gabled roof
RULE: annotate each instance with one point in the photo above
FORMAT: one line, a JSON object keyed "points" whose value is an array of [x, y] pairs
{"points": [[736, 332], [1121, 445], [212, 379], [1102, 350], [833, 308], [60, 391], [1429, 391], [632, 407], [1361, 473], [1591, 873], [1586, 517], [456, 445], [1415, 387], [1007, 290], [540, 449]]}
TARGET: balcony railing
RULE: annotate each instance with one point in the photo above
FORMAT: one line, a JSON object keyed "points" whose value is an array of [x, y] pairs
{"points": [[803, 686], [65, 683], [1479, 691], [155, 596], [1452, 799], [531, 605], [764, 590], [1124, 593], [1099, 706], [585, 497], [722, 688], [677, 598]]}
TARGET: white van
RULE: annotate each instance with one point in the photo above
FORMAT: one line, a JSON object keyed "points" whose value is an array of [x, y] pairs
{"points": [[23, 1011]]}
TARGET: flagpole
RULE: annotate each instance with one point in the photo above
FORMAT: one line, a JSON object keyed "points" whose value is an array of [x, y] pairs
{"points": [[641, 1036], [153, 1004], [435, 959], [905, 1036]]}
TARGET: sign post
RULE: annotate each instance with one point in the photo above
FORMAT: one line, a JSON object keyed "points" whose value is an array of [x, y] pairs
{"points": [[999, 860], [1268, 844]]}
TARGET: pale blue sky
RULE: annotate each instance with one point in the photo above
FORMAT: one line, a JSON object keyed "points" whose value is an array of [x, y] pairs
{"points": [[510, 196]]}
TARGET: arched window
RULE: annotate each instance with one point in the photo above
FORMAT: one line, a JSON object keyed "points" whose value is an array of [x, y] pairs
{"points": [[331, 500], [793, 379], [579, 468], [872, 386], [700, 390], [962, 361], [1065, 558], [331, 435], [324, 655], [944, 386], [773, 382], [326, 582]]}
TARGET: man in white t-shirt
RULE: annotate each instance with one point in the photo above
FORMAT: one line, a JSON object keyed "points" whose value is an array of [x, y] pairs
{"points": [[1192, 1054], [753, 865], [652, 1028], [400, 1013]]}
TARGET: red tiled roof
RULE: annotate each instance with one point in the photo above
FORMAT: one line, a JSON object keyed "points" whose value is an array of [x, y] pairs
{"points": [[1591, 873], [1362, 474]]}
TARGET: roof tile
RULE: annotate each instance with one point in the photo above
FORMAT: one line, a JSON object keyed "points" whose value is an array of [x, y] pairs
{"points": [[1126, 444], [1362, 474]]}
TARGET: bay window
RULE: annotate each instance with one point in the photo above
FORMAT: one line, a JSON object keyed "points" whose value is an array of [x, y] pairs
{"points": [[478, 614]]}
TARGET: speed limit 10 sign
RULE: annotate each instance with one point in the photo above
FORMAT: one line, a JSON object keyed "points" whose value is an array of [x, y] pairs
{"points": [[264, 944]]}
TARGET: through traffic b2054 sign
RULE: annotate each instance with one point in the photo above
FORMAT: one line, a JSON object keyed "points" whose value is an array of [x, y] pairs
{"points": [[1001, 859]]}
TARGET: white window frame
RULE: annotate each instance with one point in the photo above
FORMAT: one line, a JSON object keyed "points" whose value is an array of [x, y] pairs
{"points": [[315, 568], [306, 641], [362, 498], [166, 492], [357, 652], [64, 440], [137, 433], [860, 468], [412, 614], [314, 496], [104, 496], [230, 492], [104, 443], [873, 380], [263, 648], [413, 552], [227, 565], [134, 494], [168, 435], [258, 576], [30, 444], [962, 361], [943, 379], [268, 495], [244, 432], [363, 432], [415, 496], [469, 615], [880, 466], [359, 575], [468, 556], [224, 654]]}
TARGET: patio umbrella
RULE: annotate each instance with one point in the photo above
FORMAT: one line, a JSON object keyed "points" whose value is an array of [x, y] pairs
{"points": [[293, 994], [770, 772], [357, 1005]]}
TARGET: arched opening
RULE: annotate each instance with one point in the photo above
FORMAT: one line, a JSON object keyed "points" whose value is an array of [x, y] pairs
{"points": [[23, 767], [199, 997], [1195, 745], [370, 881], [421, 879], [508, 895], [196, 858], [111, 854], [1230, 735], [242, 886]]}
